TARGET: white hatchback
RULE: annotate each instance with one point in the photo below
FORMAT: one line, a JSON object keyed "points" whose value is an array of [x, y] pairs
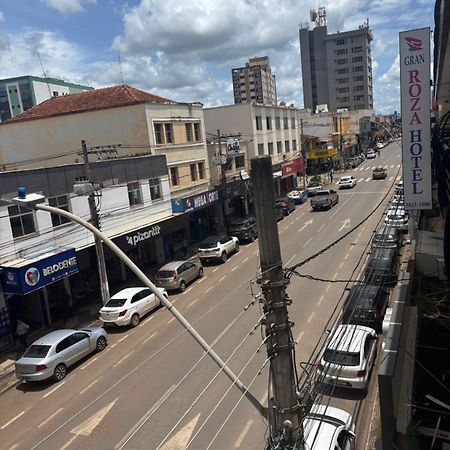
{"points": [[348, 356], [347, 182], [129, 305]]}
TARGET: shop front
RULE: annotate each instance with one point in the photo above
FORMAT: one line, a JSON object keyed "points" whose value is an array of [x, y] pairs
{"points": [[320, 160], [290, 173], [28, 286]]}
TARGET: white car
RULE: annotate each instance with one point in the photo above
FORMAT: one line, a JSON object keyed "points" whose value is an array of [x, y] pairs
{"points": [[397, 218], [218, 247], [348, 356], [371, 154], [129, 305], [347, 182], [328, 428], [397, 202]]}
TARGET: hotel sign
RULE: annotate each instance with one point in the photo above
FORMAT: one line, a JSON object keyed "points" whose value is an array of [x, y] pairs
{"points": [[416, 104]]}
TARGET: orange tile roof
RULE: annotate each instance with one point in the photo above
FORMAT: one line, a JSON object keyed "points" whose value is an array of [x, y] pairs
{"points": [[105, 98]]}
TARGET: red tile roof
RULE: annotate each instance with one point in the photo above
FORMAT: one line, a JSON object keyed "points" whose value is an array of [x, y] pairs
{"points": [[106, 98]]}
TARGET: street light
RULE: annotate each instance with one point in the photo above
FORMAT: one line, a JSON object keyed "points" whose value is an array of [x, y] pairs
{"points": [[35, 201]]}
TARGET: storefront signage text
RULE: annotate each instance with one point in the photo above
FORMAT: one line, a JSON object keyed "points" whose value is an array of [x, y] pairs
{"points": [[134, 239], [195, 202]]}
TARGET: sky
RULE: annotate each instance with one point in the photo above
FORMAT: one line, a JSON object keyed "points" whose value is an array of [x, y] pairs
{"points": [[185, 50]]}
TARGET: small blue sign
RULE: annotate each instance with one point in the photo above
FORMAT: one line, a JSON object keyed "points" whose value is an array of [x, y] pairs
{"points": [[33, 276], [195, 202]]}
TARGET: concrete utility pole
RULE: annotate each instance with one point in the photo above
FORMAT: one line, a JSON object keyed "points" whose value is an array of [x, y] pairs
{"points": [[302, 143], [96, 223], [341, 141], [223, 181], [285, 413]]}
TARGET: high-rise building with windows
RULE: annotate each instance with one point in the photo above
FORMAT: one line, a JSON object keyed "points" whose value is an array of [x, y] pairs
{"points": [[336, 68], [255, 82], [21, 93]]}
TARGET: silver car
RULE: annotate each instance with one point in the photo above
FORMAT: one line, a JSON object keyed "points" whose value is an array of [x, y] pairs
{"points": [[52, 354], [177, 274]]}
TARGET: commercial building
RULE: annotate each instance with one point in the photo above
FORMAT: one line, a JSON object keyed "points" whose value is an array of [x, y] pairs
{"points": [[336, 68], [21, 93], [255, 82]]}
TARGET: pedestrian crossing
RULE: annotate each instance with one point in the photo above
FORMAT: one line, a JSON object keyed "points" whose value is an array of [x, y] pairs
{"points": [[360, 169]]}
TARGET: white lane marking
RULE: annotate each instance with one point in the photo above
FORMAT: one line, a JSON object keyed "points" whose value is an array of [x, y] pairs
{"points": [[184, 292], [14, 419], [207, 290], [263, 399], [255, 252], [69, 442], [245, 259], [328, 288], [321, 228], [392, 166], [299, 337], [289, 260], [361, 179], [307, 242], [340, 265], [123, 358], [335, 276], [368, 179], [123, 338], [13, 447], [243, 433], [170, 320], [216, 269], [322, 297], [309, 222], [148, 338], [89, 386], [62, 383], [234, 268], [345, 224], [92, 361], [192, 303], [201, 280], [50, 418], [310, 318], [181, 438], [223, 278], [346, 256]]}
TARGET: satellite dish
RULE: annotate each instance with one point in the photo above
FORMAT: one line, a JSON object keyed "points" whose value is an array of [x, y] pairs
{"points": [[312, 15]]}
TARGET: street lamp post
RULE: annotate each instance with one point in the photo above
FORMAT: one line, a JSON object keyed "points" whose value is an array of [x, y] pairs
{"points": [[34, 201]]}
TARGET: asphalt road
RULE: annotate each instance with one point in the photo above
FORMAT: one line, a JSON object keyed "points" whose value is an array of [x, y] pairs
{"points": [[154, 388]]}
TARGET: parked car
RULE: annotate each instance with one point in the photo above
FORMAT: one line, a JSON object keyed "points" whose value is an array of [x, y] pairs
{"points": [[399, 188], [328, 428], [324, 199], [299, 197], [397, 202], [387, 237], [218, 247], [313, 187], [365, 305], [348, 357], [353, 162], [348, 182], [382, 267], [380, 145], [129, 305], [379, 173], [244, 228], [279, 212], [177, 274], [286, 204], [371, 154], [51, 355], [397, 218]]}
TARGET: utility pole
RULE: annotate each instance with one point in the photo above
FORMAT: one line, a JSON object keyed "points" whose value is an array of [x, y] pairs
{"points": [[340, 142], [302, 143], [285, 412], [223, 180], [96, 223]]}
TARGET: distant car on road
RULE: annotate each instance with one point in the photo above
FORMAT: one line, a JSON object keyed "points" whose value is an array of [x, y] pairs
{"points": [[299, 197], [324, 199], [51, 355], [218, 247], [313, 187], [286, 204], [129, 305], [177, 274], [347, 182], [371, 154], [244, 228], [379, 173]]}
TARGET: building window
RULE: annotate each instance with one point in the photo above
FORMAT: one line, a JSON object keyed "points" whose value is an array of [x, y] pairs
{"points": [[343, 90], [341, 61], [258, 123], [358, 98], [358, 78], [269, 122], [158, 133], [342, 51], [21, 220], [55, 94], [285, 123], [341, 71], [134, 193], [270, 146], [293, 123], [197, 132], [188, 127], [169, 134], [279, 147], [358, 88], [341, 41], [277, 123], [358, 69], [294, 145], [61, 202], [357, 49], [174, 176], [356, 59], [239, 161], [193, 172], [155, 188], [201, 170], [342, 80], [286, 146], [260, 149]]}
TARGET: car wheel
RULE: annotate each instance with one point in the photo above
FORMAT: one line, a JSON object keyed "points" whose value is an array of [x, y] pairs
{"points": [[182, 286], [60, 372], [135, 319], [224, 257], [200, 272], [236, 247], [251, 238], [101, 344]]}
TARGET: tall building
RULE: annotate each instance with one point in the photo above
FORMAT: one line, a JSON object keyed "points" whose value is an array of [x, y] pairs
{"points": [[21, 93], [336, 68], [255, 82]]}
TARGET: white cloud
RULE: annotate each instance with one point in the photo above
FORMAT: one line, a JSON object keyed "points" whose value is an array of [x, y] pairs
{"points": [[68, 6], [2, 17]]}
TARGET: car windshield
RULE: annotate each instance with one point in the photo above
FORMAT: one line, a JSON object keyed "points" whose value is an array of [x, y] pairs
{"points": [[208, 244], [383, 236], [37, 351], [342, 358], [165, 274], [239, 224], [116, 302]]}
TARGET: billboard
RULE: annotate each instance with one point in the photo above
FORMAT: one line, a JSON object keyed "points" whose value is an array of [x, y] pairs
{"points": [[416, 104]]}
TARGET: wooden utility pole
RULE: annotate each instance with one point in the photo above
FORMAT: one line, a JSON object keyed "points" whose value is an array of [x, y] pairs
{"points": [[285, 414]]}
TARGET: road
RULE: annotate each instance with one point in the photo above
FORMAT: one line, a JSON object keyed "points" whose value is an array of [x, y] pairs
{"points": [[154, 388]]}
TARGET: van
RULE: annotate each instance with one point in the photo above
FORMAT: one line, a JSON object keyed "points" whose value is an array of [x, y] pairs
{"points": [[382, 267]]}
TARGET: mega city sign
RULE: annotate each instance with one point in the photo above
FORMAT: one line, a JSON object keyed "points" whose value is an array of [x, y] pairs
{"points": [[195, 202], [416, 104]]}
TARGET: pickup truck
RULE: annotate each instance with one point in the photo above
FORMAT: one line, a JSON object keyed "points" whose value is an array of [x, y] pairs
{"points": [[324, 199]]}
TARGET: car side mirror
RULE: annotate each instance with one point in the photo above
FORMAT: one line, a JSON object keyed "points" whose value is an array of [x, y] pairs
{"points": [[328, 331]]}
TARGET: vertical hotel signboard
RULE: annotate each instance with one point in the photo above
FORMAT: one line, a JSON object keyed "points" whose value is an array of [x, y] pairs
{"points": [[415, 96]]}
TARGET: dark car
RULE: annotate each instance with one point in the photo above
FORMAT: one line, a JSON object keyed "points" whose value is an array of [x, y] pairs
{"points": [[382, 267], [387, 237], [286, 204], [365, 305], [279, 212], [244, 228]]}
